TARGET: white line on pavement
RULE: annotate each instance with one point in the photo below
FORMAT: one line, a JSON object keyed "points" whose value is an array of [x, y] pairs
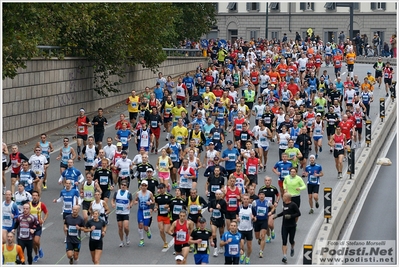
{"points": [[47, 226]]}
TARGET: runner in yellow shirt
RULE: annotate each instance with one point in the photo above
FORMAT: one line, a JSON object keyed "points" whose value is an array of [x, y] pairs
{"points": [[350, 60], [209, 94], [176, 112], [133, 106], [180, 133]]}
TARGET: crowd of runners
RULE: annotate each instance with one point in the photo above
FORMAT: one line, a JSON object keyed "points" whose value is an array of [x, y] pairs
{"points": [[278, 85]]}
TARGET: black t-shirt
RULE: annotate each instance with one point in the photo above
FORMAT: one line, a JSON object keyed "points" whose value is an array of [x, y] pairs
{"points": [[154, 120], [100, 126], [204, 235], [73, 235], [175, 205], [96, 234], [292, 209], [214, 183], [162, 200], [271, 193], [104, 178]]}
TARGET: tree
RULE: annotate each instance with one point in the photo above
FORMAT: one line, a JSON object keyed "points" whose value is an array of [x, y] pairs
{"points": [[110, 35]]}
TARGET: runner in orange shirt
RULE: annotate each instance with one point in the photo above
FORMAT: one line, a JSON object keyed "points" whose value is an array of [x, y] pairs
{"points": [[350, 60], [282, 69], [274, 77]]}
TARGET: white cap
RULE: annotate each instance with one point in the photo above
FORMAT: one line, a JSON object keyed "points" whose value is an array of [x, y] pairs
{"points": [[82, 110], [179, 258], [312, 156], [144, 182], [318, 114]]}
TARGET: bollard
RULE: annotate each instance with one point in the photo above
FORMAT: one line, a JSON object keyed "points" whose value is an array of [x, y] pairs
{"points": [[382, 109], [327, 202], [351, 162], [307, 254]]}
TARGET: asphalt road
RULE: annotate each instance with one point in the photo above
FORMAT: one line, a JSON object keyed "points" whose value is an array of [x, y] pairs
{"points": [[53, 237]]}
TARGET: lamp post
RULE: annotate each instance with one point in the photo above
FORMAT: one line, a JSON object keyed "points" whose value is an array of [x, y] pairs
{"points": [[267, 20], [350, 5]]}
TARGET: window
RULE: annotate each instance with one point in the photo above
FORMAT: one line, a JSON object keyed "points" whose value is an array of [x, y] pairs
{"points": [[254, 34], [275, 34], [253, 6], [329, 6], [274, 6], [378, 6], [306, 6], [356, 6], [232, 6], [216, 6]]}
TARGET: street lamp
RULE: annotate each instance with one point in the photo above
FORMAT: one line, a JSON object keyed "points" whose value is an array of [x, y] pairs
{"points": [[267, 20], [350, 5]]}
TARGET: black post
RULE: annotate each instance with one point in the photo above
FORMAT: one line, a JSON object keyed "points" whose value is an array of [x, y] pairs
{"points": [[267, 20], [327, 202], [351, 21], [368, 132], [351, 162], [382, 109], [307, 254]]}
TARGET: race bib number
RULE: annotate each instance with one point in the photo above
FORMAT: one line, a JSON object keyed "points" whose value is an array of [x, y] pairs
{"points": [[179, 139], [68, 206], [96, 234], [261, 211], [72, 230], [123, 140], [339, 146], [232, 157], [214, 188], [163, 209], [233, 249], [81, 129], [147, 214], [125, 172], [203, 245], [312, 178], [232, 202], [284, 173], [251, 170], [181, 236], [24, 233], [173, 157], [103, 180], [216, 214], [194, 209], [154, 124], [239, 127], [177, 209]]}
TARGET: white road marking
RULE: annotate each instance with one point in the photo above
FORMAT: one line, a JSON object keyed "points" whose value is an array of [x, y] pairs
{"points": [[47, 226]]}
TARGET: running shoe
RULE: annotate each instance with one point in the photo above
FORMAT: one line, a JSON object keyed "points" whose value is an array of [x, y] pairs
{"points": [[141, 244], [317, 205], [292, 252], [387, 95], [36, 258], [354, 145], [65, 240], [71, 260], [152, 149], [317, 156], [260, 254], [247, 260], [340, 175], [284, 259], [41, 254], [149, 233], [221, 250], [79, 158], [273, 234], [268, 239], [311, 211], [121, 245], [215, 252], [165, 245], [127, 241], [331, 150], [242, 259], [4, 190], [44, 186]]}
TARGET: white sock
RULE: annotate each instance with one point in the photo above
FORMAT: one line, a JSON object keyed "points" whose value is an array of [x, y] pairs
{"points": [[75, 261], [141, 233]]}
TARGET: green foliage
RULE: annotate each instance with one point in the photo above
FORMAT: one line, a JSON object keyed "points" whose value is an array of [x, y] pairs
{"points": [[110, 35]]}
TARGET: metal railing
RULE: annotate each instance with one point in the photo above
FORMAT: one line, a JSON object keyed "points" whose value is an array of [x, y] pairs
{"points": [[53, 51]]}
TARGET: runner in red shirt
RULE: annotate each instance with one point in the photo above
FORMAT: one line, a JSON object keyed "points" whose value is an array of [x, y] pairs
{"points": [[237, 126], [252, 168], [348, 129], [254, 76]]}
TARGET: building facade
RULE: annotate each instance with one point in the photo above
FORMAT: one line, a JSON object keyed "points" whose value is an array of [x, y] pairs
{"points": [[327, 19]]}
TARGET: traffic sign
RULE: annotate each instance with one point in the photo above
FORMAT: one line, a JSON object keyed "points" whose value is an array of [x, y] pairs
{"points": [[327, 202], [307, 254], [382, 109], [368, 132], [351, 162], [222, 43], [204, 43]]}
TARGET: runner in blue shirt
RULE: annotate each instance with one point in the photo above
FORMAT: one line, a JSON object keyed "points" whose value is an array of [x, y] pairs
{"points": [[313, 171], [282, 169], [231, 241], [230, 156]]}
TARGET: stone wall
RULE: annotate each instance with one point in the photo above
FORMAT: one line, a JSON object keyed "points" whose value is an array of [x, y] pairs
{"points": [[49, 93]]}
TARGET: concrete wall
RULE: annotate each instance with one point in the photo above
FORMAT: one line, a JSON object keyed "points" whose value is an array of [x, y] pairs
{"points": [[346, 197], [49, 93]]}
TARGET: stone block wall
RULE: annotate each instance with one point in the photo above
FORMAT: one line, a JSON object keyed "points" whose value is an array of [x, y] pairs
{"points": [[49, 93]]}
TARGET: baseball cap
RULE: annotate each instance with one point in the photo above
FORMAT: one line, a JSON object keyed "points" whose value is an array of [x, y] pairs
{"points": [[179, 258], [124, 152], [82, 110], [272, 85], [229, 142], [161, 185], [206, 98], [202, 220], [150, 170], [179, 102], [119, 144], [318, 114], [144, 182], [368, 72], [211, 143], [142, 121], [312, 156]]}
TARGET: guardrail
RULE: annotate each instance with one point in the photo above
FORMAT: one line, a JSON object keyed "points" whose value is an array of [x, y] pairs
{"points": [[48, 50]]}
